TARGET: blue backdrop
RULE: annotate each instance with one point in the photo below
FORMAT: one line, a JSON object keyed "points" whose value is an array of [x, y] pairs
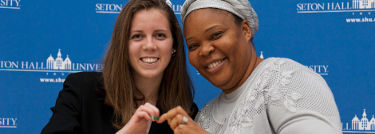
{"points": [[335, 38]]}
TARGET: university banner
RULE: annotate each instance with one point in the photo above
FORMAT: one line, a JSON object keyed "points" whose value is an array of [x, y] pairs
{"points": [[41, 42]]}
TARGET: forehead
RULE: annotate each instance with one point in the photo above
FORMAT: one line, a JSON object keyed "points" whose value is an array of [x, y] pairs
{"points": [[198, 21], [149, 17], [149, 13]]}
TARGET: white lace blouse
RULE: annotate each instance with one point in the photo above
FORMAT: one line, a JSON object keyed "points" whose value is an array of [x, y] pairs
{"points": [[281, 96]]}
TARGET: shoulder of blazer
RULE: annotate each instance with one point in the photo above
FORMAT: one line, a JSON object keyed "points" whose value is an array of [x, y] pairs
{"points": [[86, 82], [84, 78]]}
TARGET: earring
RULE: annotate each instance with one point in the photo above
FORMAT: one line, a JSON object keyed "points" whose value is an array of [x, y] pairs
{"points": [[173, 51]]}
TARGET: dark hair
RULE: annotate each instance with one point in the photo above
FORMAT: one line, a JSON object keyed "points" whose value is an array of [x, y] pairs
{"points": [[238, 20], [175, 88]]}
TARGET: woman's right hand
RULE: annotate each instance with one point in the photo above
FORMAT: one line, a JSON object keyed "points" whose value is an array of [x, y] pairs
{"points": [[141, 121], [180, 122]]}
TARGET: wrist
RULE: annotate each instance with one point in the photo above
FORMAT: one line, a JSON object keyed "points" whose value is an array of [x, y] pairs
{"points": [[122, 130]]}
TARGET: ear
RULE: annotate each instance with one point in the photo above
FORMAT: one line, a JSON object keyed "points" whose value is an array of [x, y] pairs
{"points": [[246, 31]]}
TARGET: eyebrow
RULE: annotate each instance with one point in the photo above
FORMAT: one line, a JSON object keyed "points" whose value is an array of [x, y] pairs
{"points": [[161, 30], [205, 31], [136, 31], [141, 31], [208, 29]]}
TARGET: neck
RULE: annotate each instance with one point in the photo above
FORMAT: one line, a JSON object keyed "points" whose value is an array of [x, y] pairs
{"points": [[254, 62], [149, 87]]}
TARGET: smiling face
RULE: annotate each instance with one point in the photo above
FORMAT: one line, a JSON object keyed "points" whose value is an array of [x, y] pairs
{"points": [[150, 44], [219, 48]]}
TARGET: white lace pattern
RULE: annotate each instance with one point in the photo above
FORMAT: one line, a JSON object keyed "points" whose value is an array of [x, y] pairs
{"points": [[277, 91]]}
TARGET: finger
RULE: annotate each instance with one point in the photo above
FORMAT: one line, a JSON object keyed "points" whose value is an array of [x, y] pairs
{"points": [[168, 116], [149, 112], [179, 129], [162, 118], [172, 113], [180, 110], [142, 115], [175, 122], [154, 109]]}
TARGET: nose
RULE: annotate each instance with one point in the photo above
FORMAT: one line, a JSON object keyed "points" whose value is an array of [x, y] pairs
{"points": [[150, 44], [206, 49]]}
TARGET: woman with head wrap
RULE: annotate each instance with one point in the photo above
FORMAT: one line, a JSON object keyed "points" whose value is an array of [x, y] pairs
{"points": [[270, 96]]}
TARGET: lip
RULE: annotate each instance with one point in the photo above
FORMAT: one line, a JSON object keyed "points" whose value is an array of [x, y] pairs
{"points": [[217, 67]]}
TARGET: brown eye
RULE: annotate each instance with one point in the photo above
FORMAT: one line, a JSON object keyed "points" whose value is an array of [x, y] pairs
{"points": [[160, 36], [216, 35], [192, 47], [136, 37]]}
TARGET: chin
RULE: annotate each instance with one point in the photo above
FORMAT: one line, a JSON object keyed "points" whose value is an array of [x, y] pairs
{"points": [[220, 80], [151, 74], [220, 83]]}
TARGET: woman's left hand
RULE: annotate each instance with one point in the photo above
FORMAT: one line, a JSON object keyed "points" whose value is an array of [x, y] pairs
{"points": [[180, 122]]}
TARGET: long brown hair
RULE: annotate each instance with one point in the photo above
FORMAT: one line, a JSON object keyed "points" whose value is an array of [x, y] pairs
{"points": [[175, 88]]}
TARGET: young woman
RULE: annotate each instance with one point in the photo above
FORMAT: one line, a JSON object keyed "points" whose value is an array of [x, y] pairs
{"points": [[144, 76], [270, 96]]}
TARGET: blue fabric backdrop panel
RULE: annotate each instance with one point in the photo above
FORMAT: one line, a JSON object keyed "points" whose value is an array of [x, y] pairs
{"points": [[41, 42]]}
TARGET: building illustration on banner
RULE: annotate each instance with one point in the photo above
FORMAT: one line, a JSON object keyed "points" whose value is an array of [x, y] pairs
{"points": [[261, 55], [59, 63], [345, 6], [363, 4], [51, 66], [360, 125], [361, 10]]}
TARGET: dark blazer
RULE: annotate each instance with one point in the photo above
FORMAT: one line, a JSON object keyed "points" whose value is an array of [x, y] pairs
{"points": [[80, 108]]}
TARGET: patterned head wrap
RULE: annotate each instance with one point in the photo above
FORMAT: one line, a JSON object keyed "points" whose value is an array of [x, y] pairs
{"points": [[241, 8]]}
